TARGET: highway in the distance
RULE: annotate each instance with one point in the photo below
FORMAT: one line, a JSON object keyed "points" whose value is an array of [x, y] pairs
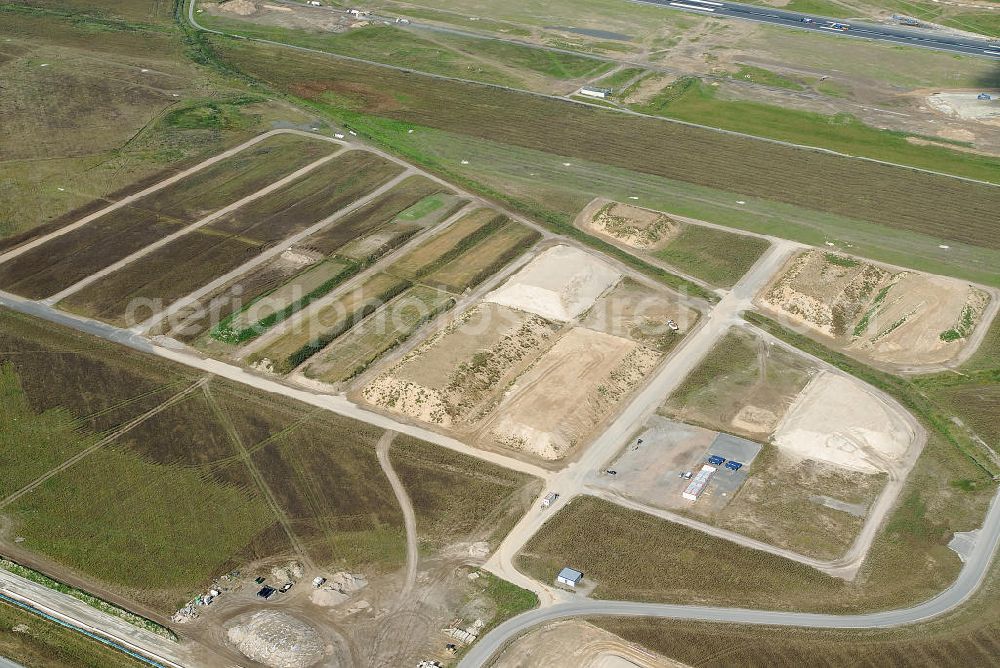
{"points": [[928, 39]]}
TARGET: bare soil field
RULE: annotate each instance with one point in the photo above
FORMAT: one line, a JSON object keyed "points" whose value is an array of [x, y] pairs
{"points": [[559, 284], [455, 378], [631, 225], [744, 386], [636, 311], [837, 420], [169, 273], [891, 317], [716, 256], [62, 261], [572, 388], [812, 507], [577, 644], [356, 350]]}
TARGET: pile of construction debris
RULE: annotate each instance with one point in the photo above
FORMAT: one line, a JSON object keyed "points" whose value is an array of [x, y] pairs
{"points": [[277, 639]]}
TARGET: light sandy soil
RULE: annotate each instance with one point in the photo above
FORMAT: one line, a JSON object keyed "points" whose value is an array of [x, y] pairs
{"points": [[965, 105], [838, 420], [268, 14], [560, 284], [457, 376], [885, 315], [629, 224], [569, 391], [577, 644], [926, 306], [636, 311]]}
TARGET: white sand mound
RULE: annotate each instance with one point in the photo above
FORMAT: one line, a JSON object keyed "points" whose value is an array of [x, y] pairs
{"points": [[837, 420], [278, 640], [559, 284]]}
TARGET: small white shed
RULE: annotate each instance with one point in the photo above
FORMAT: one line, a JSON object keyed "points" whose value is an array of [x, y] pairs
{"points": [[569, 577]]}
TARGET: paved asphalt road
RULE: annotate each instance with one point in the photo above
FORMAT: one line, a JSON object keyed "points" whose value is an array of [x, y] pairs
{"points": [[882, 33], [968, 581], [7, 663]]}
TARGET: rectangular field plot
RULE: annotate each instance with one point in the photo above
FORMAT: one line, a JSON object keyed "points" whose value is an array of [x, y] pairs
{"points": [[362, 236], [743, 386], [286, 300], [382, 214], [571, 389], [354, 351], [186, 264], [65, 260], [449, 244], [484, 259], [454, 378], [325, 322]]}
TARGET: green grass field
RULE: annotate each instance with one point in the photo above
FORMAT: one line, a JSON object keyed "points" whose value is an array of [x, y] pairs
{"points": [[540, 186], [60, 151], [715, 256]]}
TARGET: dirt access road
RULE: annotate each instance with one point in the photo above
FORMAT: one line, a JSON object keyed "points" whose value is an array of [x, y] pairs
{"points": [[409, 515]]}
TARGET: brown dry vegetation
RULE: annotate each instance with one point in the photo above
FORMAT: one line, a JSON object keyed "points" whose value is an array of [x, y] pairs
{"points": [[970, 636], [892, 196], [187, 263], [66, 259], [459, 497]]}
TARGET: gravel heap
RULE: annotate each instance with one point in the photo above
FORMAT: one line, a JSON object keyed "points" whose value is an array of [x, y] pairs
{"points": [[278, 640]]}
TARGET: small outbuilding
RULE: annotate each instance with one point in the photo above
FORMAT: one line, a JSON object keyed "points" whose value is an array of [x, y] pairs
{"points": [[569, 577], [594, 91]]}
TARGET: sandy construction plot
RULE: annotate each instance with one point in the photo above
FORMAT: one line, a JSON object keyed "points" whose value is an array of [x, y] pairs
{"points": [[888, 316], [837, 420], [559, 284], [641, 313], [631, 225], [569, 391], [458, 375]]}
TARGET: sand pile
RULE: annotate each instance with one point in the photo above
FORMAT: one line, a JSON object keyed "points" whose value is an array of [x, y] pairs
{"points": [[277, 639], [837, 420], [634, 226], [559, 284], [240, 7]]}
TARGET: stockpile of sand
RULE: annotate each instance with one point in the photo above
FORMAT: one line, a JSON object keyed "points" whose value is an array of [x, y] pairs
{"points": [[837, 420], [240, 7], [633, 226], [278, 640], [825, 291], [559, 284]]}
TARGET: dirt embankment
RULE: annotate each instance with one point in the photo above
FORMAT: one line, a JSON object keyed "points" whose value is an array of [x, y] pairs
{"points": [[881, 314]]}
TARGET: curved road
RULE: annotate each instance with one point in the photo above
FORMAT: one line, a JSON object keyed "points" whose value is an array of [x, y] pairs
{"points": [[968, 581], [927, 39]]}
